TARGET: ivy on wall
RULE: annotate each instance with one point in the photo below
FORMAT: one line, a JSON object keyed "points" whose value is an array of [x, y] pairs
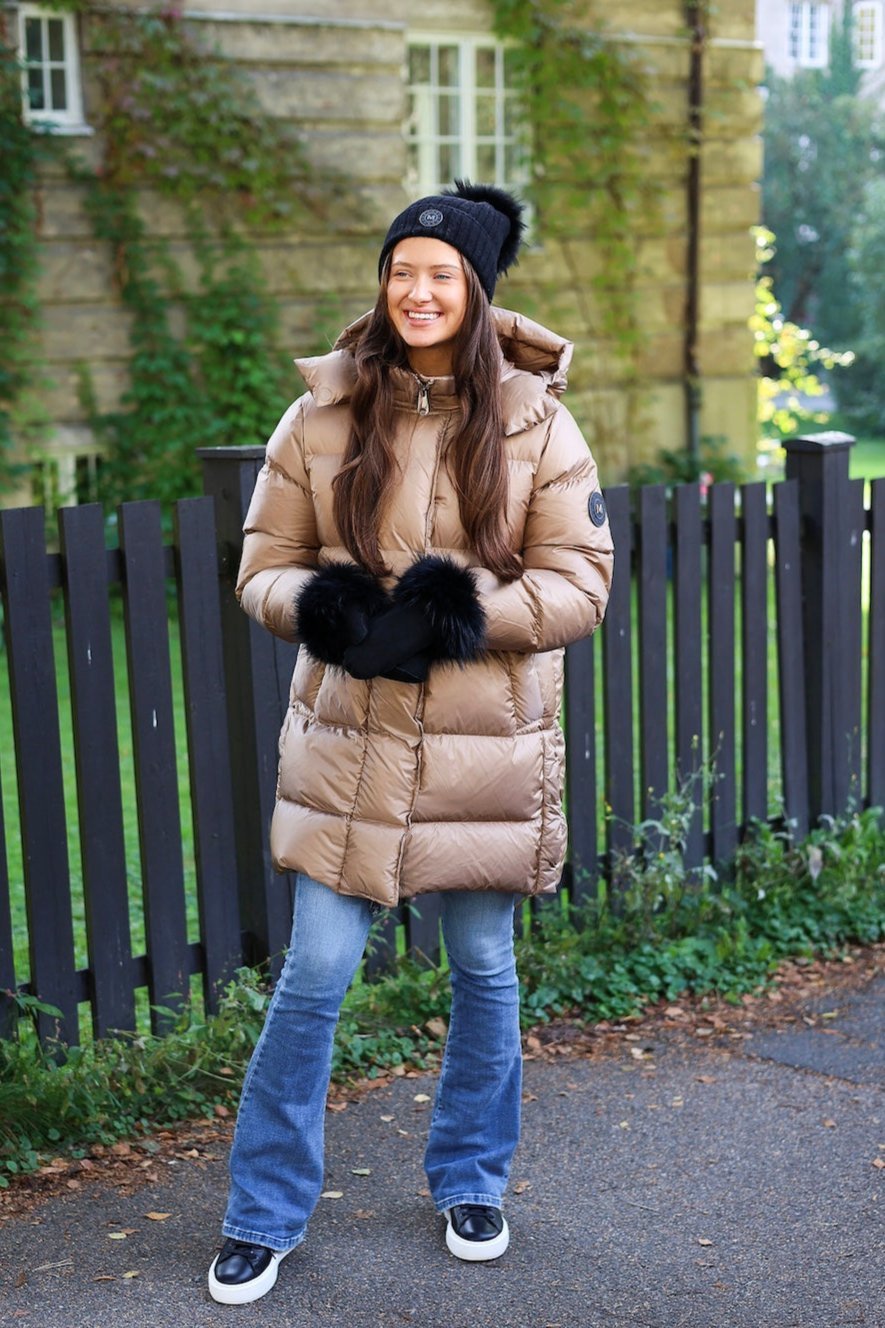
{"points": [[186, 142], [589, 107], [22, 150]]}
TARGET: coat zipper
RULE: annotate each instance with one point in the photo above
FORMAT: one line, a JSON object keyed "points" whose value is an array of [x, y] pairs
{"points": [[423, 402]]}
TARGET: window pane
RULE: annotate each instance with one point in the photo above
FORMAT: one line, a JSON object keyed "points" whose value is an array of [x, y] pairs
{"points": [[485, 116], [36, 100], [56, 39], [485, 66], [449, 162], [449, 122], [511, 116], [448, 67], [58, 90], [485, 161], [419, 64], [33, 39], [515, 162]]}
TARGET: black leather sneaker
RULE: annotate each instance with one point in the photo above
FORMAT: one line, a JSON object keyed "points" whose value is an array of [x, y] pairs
{"points": [[476, 1232], [243, 1272]]}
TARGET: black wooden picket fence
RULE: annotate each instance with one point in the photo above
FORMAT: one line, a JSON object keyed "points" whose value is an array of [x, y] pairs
{"points": [[681, 678]]}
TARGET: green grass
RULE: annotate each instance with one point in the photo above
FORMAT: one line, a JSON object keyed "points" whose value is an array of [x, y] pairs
{"points": [[15, 864], [868, 459]]}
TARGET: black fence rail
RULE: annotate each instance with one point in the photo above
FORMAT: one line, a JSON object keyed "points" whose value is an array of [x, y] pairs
{"points": [[745, 635]]}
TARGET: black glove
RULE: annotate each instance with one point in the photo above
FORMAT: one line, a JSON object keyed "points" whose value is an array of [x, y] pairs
{"points": [[335, 608], [394, 646]]}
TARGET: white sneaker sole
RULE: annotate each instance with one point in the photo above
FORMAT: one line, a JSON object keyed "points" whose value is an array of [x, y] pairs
{"points": [[476, 1251], [244, 1292]]}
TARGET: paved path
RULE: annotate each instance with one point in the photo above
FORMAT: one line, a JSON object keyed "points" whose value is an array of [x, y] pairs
{"points": [[726, 1186]]}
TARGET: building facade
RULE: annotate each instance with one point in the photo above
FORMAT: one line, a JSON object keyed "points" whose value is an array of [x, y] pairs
{"points": [[795, 34], [400, 99]]}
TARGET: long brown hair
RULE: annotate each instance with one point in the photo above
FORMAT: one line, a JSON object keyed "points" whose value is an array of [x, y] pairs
{"points": [[475, 457]]}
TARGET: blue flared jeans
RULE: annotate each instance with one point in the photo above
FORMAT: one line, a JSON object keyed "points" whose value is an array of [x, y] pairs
{"points": [[276, 1162]]}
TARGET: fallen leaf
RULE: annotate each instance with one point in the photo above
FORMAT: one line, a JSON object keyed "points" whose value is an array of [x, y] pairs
{"points": [[336, 1106], [437, 1027], [116, 1235], [624, 1125], [830, 1124], [105, 1277], [879, 1162], [398, 1070], [705, 1078], [678, 1102], [529, 1097], [332, 1194], [360, 1171], [157, 1217], [21, 1280], [702, 1240], [364, 1213], [221, 1111], [423, 1193], [421, 1097], [387, 1119], [521, 1186], [133, 1272]]}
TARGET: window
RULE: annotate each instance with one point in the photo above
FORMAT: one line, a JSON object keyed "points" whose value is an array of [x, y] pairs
{"points": [[51, 73], [868, 35], [809, 34], [463, 117]]}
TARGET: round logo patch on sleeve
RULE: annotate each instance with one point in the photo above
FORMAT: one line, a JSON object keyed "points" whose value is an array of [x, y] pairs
{"points": [[596, 508]]}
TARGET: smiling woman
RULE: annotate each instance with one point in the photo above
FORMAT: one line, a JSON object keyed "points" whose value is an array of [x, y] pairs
{"points": [[428, 526]]}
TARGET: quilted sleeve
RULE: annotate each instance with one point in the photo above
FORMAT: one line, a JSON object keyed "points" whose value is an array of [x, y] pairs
{"points": [[281, 545], [567, 553]]}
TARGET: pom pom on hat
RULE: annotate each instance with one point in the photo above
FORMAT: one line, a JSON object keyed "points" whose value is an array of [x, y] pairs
{"points": [[503, 202], [481, 221]]}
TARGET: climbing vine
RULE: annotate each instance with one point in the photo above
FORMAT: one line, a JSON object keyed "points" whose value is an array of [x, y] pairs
{"points": [[186, 143], [22, 150], [588, 104]]}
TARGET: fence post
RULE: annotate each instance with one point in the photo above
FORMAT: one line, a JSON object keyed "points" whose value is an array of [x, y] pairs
{"points": [[258, 669], [827, 540]]}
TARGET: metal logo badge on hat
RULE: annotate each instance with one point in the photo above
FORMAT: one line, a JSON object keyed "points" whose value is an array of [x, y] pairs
{"points": [[430, 217]]}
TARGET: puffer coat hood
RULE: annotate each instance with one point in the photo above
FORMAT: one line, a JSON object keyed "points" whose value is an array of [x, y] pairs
{"points": [[389, 789]]}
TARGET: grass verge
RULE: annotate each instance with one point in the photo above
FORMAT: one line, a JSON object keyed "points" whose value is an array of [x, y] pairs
{"points": [[676, 934]]}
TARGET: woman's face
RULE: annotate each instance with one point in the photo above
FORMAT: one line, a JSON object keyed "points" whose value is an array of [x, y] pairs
{"points": [[427, 301]]}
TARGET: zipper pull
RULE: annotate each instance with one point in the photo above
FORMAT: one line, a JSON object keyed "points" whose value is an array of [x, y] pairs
{"points": [[423, 402]]}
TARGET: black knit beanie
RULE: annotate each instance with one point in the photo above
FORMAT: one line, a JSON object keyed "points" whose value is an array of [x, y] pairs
{"points": [[482, 222]]}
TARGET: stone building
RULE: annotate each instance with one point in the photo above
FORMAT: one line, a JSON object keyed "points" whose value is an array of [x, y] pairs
{"points": [[399, 98], [795, 34]]}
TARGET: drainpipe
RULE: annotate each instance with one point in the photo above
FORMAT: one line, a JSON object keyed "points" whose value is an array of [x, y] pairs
{"points": [[694, 13]]}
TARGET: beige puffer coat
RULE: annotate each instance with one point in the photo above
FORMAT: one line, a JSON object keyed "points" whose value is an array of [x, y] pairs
{"points": [[389, 789]]}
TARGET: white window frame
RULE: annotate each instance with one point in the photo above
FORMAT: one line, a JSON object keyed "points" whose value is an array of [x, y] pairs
{"points": [[809, 39], [872, 11], [427, 138], [70, 118]]}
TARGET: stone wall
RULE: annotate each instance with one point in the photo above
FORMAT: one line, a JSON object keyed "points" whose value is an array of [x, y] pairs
{"points": [[340, 79]]}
